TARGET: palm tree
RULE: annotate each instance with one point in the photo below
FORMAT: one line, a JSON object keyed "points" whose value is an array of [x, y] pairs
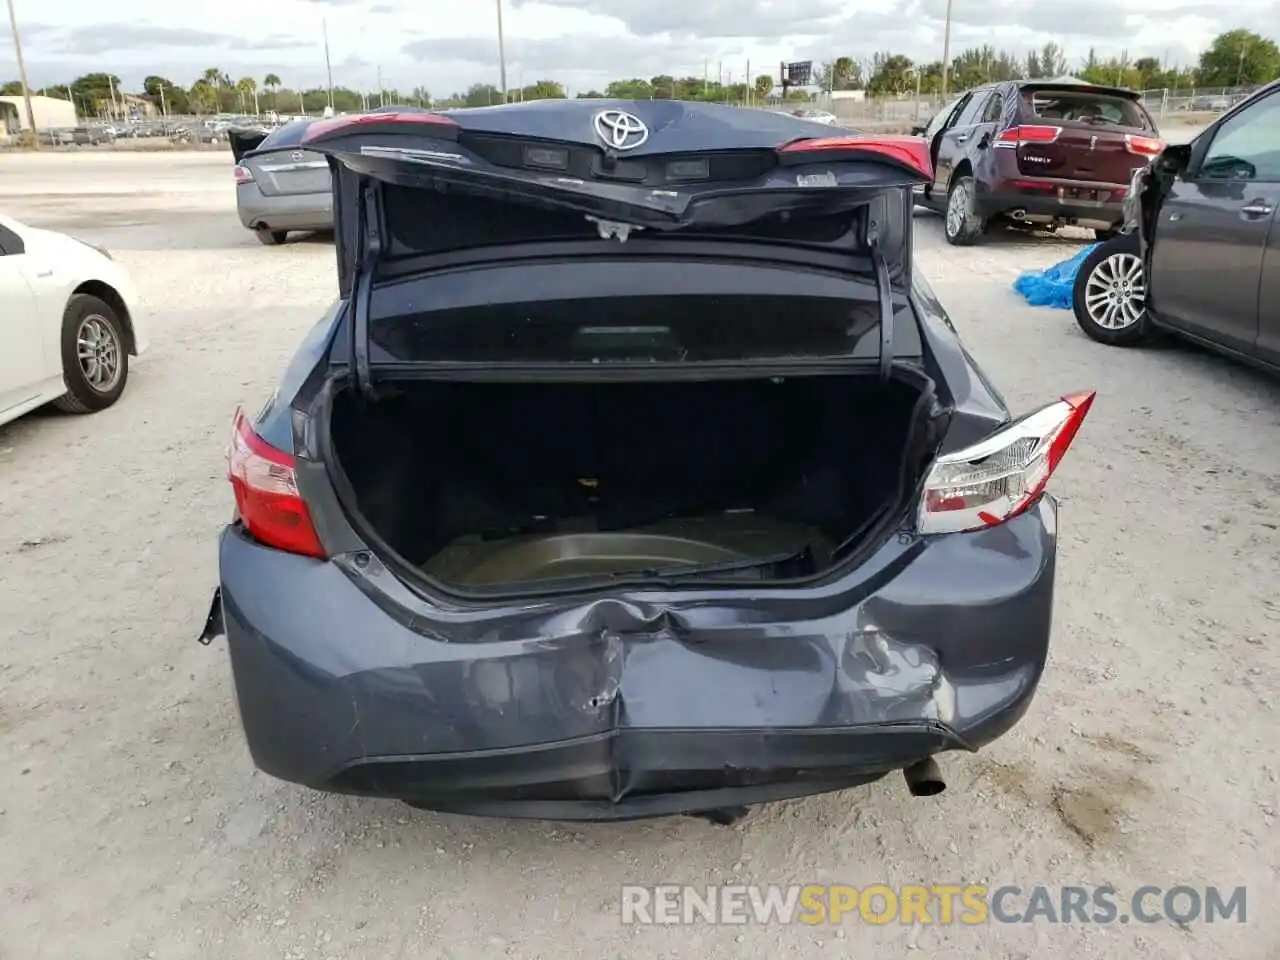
{"points": [[248, 87], [272, 82]]}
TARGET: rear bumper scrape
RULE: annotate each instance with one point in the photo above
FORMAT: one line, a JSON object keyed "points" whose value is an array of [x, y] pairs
{"points": [[643, 704]]}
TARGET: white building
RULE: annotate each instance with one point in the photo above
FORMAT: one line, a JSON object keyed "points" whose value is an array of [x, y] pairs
{"points": [[51, 114]]}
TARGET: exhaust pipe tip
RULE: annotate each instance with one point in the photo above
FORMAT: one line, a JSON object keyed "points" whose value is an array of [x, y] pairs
{"points": [[1019, 214], [924, 779]]}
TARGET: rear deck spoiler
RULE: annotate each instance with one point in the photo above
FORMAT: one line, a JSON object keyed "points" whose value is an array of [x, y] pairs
{"points": [[811, 174]]}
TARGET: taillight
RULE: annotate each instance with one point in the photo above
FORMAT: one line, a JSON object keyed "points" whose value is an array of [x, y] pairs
{"points": [[266, 492], [1027, 134], [909, 152], [1143, 146], [999, 477], [243, 175]]}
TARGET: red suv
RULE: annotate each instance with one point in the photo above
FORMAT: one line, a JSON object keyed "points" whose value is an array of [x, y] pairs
{"points": [[1036, 153]]}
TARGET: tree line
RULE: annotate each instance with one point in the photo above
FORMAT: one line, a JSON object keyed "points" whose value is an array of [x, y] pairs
{"points": [[1235, 58]]}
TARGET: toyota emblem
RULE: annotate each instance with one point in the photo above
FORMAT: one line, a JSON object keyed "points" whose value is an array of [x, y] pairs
{"points": [[620, 130], [296, 156]]}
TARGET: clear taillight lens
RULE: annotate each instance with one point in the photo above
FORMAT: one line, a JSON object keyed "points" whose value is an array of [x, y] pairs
{"points": [[243, 175], [1000, 477], [266, 492]]}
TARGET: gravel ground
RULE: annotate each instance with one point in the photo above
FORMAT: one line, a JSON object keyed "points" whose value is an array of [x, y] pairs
{"points": [[133, 824]]}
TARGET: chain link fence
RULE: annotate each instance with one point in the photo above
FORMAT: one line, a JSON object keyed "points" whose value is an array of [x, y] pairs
{"points": [[1165, 103]]}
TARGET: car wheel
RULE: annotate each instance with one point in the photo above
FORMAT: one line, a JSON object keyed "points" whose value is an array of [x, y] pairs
{"points": [[95, 362], [270, 238], [963, 226], [1109, 295]]}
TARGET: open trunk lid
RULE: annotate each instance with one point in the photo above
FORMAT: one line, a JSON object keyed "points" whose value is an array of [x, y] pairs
{"points": [[601, 171], [1098, 133]]}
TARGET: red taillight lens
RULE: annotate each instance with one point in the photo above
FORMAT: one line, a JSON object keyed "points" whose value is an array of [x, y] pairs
{"points": [[909, 152], [1143, 146], [243, 175], [1000, 477], [1028, 134], [406, 121], [266, 492]]}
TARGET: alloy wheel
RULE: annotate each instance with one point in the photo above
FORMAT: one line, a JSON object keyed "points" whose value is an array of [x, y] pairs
{"points": [[1116, 291], [957, 209], [98, 350]]}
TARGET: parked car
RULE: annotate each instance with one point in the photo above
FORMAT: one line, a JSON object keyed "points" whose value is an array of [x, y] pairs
{"points": [[1036, 153], [1203, 259], [1211, 103], [91, 136], [68, 323], [280, 186], [56, 138], [818, 116], [636, 471]]}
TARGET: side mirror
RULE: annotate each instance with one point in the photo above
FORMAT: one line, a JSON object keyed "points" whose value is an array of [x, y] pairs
{"points": [[918, 130], [1174, 160]]}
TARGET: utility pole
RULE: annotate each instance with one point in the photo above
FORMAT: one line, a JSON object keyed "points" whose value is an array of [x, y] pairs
{"points": [[22, 77], [328, 64], [946, 49], [748, 91], [502, 54], [1244, 45]]}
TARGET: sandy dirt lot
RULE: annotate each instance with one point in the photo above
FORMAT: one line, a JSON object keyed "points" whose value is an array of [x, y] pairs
{"points": [[132, 824]]}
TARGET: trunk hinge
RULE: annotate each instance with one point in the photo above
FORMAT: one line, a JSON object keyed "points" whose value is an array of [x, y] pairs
{"points": [[369, 237], [884, 295]]}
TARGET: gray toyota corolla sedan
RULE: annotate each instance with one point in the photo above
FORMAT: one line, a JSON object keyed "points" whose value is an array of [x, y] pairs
{"points": [[636, 471], [280, 187]]}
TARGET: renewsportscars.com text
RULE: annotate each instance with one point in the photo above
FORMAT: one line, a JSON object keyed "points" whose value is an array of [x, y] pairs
{"points": [[946, 904]]}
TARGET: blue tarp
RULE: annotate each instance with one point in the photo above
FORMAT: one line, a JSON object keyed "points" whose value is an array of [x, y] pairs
{"points": [[1051, 287]]}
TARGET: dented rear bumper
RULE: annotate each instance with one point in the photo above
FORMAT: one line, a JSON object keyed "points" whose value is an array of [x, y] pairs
{"points": [[637, 705]]}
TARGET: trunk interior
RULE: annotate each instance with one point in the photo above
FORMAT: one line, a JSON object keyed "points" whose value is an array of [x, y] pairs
{"points": [[481, 485]]}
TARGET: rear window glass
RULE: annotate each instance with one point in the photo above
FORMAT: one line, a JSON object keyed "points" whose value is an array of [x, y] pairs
{"points": [[289, 135], [1084, 107]]}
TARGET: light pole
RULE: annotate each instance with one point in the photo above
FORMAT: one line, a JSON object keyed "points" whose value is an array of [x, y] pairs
{"points": [[22, 77], [946, 49], [502, 54], [328, 65]]}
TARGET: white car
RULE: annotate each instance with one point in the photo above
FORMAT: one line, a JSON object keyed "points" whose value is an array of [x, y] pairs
{"points": [[818, 116], [68, 323]]}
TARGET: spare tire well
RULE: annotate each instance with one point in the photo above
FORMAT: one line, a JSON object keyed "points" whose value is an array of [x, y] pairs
{"points": [[108, 295]]}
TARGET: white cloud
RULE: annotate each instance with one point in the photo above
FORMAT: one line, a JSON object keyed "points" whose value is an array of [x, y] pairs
{"points": [[447, 45]]}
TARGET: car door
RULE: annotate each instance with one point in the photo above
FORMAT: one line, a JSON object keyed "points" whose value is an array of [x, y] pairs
{"points": [[1269, 296], [21, 345], [959, 140], [943, 147], [1214, 226]]}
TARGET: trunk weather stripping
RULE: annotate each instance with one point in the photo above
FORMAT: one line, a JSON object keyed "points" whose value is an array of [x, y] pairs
{"points": [[369, 239], [884, 295]]}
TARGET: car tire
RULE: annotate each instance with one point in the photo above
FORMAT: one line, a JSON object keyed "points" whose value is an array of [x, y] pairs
{"points": [[961, 223], [1109, 294], [270, 238], [95, 358]]}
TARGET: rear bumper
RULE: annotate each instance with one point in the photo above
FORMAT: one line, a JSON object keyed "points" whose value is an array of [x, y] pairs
{"points": [[1056, 203], [297, 211], [637, 706]]}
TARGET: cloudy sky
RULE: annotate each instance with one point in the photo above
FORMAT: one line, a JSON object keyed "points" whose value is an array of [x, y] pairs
{"points": [[446, 45]]}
